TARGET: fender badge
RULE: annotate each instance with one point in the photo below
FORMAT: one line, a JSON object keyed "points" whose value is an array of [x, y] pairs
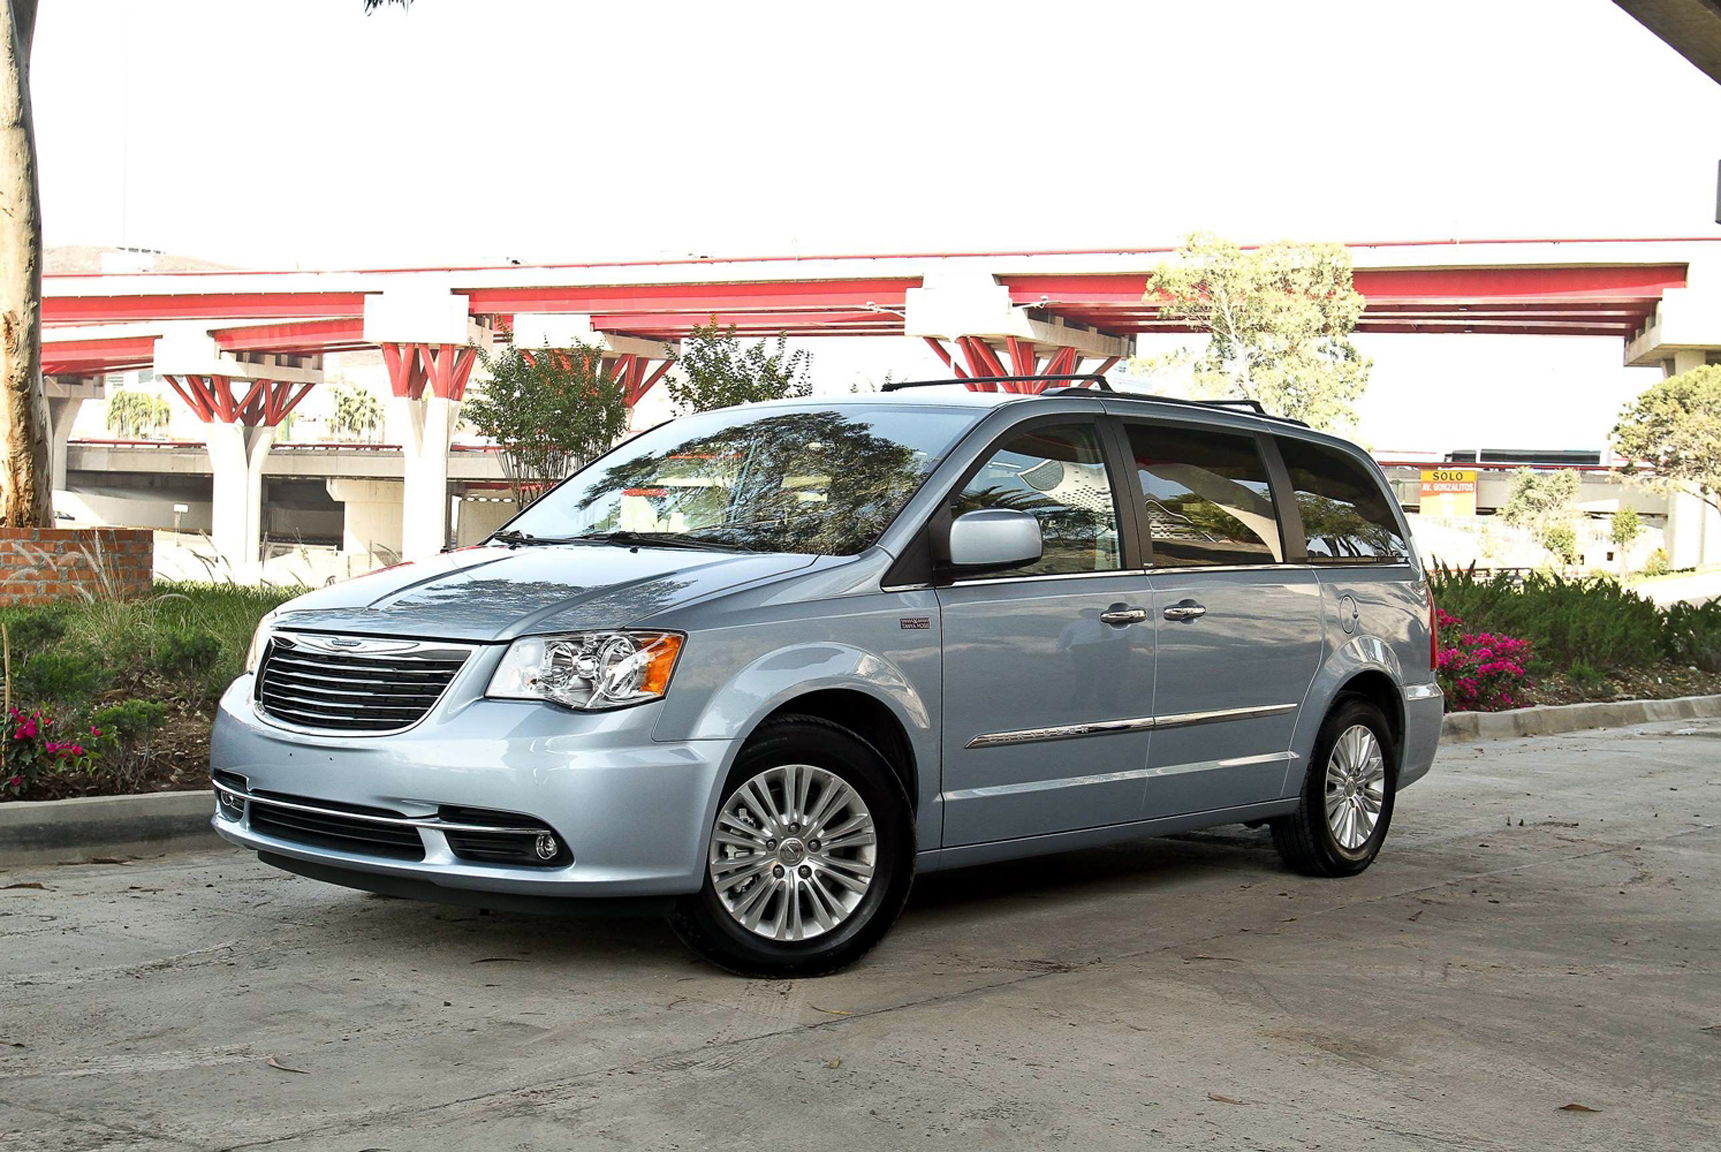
{"points": [[915, 623]]}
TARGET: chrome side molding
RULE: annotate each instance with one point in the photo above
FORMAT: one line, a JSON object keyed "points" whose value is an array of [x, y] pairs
{"points": [[1134, 724]]}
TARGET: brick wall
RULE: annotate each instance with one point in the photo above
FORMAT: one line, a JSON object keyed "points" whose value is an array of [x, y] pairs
{"points": [[42, 565]]}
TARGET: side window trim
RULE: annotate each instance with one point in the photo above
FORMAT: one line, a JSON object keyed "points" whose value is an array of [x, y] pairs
{"points": [[1129, 551], [1291, 543]]}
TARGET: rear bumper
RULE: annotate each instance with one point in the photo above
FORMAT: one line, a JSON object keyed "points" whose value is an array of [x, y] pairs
{"points": [[1424, 708], [634, 812]]}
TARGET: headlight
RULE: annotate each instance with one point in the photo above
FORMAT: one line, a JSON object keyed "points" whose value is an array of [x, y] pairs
{"points": [[590, 671], [259, 639]]}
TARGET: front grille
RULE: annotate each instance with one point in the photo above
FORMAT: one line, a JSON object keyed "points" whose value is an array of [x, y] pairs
{"points": [[325, 829], [375, 686]]}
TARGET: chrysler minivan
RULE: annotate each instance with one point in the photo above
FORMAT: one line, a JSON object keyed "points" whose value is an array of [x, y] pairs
{"points": [[760, 666]]}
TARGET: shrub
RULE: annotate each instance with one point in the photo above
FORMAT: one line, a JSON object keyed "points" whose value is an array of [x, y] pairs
{"points": [[58, 676], [128, 720], [1480, 671], [187, 652], [1658, 564], [1585, 676], [1567, 620], [1691, 634]]}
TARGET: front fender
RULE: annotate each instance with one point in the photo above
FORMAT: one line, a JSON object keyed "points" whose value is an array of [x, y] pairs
{"points": [[777, 677]]}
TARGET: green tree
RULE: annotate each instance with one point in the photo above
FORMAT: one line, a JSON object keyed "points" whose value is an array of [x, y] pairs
{"points": [[137, 415], [1560, 539], [1280, 319], [1544, 502], [357, 414], [550, 410], [1624, 527], [1538, 498], [716, 370], [1674, 430]]}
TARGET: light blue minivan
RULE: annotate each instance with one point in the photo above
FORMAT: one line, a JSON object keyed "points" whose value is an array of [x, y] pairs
{"points": [[761, 665]]}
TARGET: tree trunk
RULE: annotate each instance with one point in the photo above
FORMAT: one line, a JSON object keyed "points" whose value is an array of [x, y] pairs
{"points": [[26, 496]]}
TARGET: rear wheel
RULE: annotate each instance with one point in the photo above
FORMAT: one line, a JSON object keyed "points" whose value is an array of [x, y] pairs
{"points": [[811, 855], [1345, 805]]}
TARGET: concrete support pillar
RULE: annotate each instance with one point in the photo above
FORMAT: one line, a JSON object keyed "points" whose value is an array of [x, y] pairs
{"points": [[1693, 532], [638, 364], [237, 453], [429, 344], [994, 336], [371, 526], [66, 396], [62, 414], [427, 427], [242, 400]]}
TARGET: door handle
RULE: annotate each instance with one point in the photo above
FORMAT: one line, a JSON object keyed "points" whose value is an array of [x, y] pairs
{"points": [[1121, 614], [1185, 610]]}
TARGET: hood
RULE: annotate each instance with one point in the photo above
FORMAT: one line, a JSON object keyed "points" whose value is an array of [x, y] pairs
{"points": [[498, 593]]}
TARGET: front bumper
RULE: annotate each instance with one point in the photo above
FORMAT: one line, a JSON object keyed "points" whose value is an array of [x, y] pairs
{"points": [[634, 812]]}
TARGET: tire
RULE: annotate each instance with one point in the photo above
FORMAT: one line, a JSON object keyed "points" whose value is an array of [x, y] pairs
{"points": [[1308, 840], [789, 906]]}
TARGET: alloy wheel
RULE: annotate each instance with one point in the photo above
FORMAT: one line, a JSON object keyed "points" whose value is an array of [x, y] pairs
{"points": [[1356, 787], [793, 852]]}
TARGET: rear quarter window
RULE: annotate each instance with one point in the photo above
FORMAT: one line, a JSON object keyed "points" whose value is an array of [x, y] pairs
{"points": [[1348, 518]]}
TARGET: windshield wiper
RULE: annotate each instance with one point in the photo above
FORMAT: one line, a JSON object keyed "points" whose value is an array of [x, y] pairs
{"points": [[660, 540], [513, 537]]}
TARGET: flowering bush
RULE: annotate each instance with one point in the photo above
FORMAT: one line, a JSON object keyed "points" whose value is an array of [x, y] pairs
{"points": [[30, 749], [1480, 671]]}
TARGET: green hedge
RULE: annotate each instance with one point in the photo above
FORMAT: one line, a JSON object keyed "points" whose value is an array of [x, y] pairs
{"points": [[1588, 621]]}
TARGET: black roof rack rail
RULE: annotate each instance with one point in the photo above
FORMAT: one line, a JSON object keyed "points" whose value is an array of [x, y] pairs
{"points": [[1253, 407], [1099, 382]]}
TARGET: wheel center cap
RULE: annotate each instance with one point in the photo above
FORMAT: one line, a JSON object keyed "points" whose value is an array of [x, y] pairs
{"points": [[791, 852]]}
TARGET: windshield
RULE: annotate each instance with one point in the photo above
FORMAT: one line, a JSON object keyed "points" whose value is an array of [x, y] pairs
{"points": [[825, 481]]}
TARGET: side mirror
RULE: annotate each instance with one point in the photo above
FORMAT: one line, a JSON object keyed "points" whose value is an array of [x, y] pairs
{"points": [[993, 539]]}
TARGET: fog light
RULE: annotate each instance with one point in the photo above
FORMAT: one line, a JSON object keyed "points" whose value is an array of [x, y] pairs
{"points": [[229, 807], [546, 846]]}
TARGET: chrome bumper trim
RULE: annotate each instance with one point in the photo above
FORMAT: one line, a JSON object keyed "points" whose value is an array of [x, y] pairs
{"points": [[393, 821]]}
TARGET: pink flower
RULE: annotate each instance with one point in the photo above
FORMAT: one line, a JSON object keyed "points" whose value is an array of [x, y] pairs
{"points": [[25, 731]]}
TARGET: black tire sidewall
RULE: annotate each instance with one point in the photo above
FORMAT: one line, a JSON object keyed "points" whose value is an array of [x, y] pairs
{"points": [[706, 925], [1349, 712]]}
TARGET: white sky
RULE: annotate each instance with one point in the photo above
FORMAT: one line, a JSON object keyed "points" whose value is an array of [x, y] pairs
{"points": [[269, 133]]}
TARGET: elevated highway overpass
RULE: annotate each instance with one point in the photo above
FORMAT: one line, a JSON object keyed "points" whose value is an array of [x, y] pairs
{"points": [[242, 349]]}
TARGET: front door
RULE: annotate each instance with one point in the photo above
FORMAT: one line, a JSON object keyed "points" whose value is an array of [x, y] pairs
{"points": [[1048, 669], [1239, 629]]}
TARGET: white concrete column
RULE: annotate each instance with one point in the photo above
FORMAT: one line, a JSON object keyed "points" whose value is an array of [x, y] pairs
{"points": [[237, 453], [65, 398], [62, 414], [427, 428], [371, 525]]}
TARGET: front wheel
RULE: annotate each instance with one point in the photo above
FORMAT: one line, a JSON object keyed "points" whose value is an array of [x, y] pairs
{"points": [[811, 855], [1346, 802]]}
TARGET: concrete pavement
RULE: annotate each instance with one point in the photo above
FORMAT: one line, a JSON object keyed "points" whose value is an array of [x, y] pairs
{"points": [[1542, 930]]}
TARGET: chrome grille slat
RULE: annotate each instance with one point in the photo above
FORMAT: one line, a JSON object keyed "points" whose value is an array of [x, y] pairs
{"points": [[315, 682]]}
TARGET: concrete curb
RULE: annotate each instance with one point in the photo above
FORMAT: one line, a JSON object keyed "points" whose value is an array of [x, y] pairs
{"points": [[62, 831], [1549, 719]]}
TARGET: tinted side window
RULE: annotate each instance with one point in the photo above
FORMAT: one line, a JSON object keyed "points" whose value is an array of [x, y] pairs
{"points": [[1346, 514], [1206, 496], [1058, 476]]}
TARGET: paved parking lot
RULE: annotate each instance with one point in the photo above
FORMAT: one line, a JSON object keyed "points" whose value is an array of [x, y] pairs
{"points": [[1542, 931]]}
